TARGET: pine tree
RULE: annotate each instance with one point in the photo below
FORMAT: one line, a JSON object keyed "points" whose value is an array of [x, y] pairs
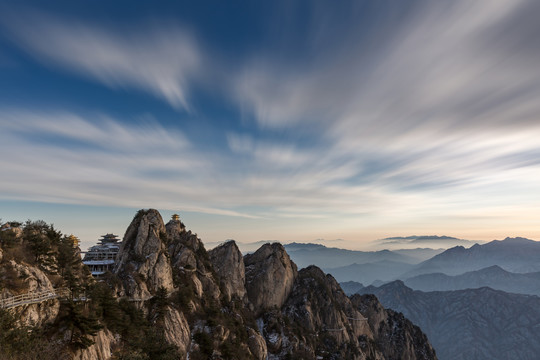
{"points": [[80, 325]]}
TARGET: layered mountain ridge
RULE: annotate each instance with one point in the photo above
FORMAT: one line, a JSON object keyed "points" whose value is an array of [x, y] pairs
{"points": [[518, 255], [469, 324]]}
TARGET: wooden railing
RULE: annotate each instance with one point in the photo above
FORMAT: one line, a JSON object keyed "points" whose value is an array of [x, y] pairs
{"points": [[34, 297]]}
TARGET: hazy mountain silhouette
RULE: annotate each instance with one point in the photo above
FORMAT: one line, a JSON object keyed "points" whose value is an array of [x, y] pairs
{"points": [[517, 255], [494, 277], [430, 241], [368, 273], [469, 324], [325, 257]]}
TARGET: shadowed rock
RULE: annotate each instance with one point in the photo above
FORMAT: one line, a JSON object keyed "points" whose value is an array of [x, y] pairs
{"points": [[142, 262], [270, 276], [229, 265]]}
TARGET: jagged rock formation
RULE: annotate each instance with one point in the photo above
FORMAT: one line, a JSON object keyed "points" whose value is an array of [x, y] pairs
{"points": [[396, 336], [317, 319], [104, 341], [143, 264], [220, 305], [229, 263], [190, 261], [34, 280], [270, 276], [176, 329]]}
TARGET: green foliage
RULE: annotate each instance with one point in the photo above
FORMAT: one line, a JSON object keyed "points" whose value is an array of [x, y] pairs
{"points": [[160, 301], [141, 340], [157, 347], [68, 256], [40, 238], [22, 342], [10, 279], [205, 343], [82, 325], [138, 258], [163, 237], [233, 350], [8, 239], [138, 216], [106, 307]]}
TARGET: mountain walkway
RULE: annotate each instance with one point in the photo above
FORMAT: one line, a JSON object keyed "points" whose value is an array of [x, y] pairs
{"points": [[34, 297]]}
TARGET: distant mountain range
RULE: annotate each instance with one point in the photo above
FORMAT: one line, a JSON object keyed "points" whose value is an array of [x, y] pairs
{"points": [[472, 324], [517, 255], [368, 273], [494, 277], [325, 257], [351, 287], [429, 241]]}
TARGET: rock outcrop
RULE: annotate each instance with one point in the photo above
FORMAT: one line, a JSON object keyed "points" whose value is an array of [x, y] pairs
{"points": [[143, 261], [104, 341], [395, 336], [317, 319], [270, 276], [325, 307], [229, 265], [33, 280], [176, 329], [257, 345], [190, 260]]}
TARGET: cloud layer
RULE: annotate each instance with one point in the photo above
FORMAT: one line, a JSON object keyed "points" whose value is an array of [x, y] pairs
{"points": [[161, 61], [425, 111]]}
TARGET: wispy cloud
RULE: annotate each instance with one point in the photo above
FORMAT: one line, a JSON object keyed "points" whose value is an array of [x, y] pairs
{"points": [[430, 110], [161, 60], [448, 67]]}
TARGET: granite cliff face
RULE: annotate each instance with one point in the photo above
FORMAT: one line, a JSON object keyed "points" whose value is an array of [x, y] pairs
{"points": [[397, 337], [35, 280], [229, 264], [270, 276], [142, 264], [221, 305]]}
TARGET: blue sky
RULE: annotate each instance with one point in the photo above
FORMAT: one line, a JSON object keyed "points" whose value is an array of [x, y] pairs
{"points": [[281, 120]]}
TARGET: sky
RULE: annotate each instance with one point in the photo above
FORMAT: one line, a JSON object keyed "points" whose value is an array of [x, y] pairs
{"points": [[313, 121]]}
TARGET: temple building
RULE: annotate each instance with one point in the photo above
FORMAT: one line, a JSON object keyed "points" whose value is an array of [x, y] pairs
{"points": [[73, 240], [101, 258]]}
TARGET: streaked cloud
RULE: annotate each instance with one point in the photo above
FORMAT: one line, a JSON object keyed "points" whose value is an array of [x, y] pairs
{"points": [[161, 60], [436, 71], [423, 115]]}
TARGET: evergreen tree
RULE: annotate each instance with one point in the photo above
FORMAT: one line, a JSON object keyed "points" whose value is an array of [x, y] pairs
{"points": [[80, 325], [106, 307], [68, 257]]}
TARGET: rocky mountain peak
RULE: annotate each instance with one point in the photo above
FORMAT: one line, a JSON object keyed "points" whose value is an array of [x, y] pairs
{"points": [[319, 304], [143, 260], [270, 276], [229, 265], [397, 337]]}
